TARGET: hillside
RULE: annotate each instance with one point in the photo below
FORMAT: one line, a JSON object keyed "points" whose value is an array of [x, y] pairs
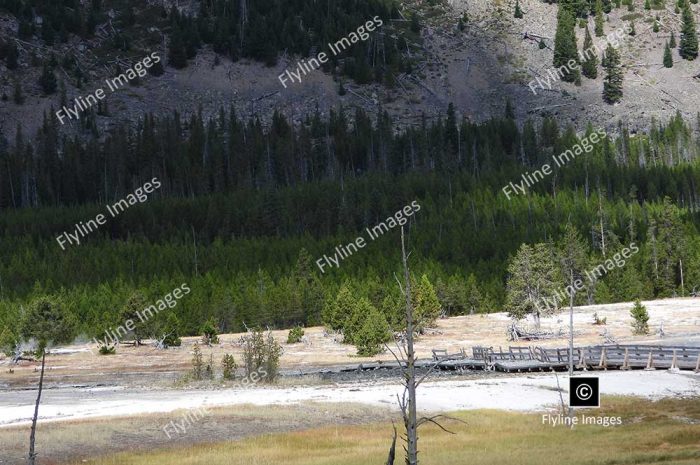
{"points": [[473, 66]]}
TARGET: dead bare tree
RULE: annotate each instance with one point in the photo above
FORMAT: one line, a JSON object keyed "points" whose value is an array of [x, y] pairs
{"points": [[408, 406], [406, 357]]}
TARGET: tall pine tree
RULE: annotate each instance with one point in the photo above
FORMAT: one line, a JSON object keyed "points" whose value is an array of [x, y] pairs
{"points": [[590, 64], [612, 87], [668, 57], [689, 38], [599, 21], [565, 47]]}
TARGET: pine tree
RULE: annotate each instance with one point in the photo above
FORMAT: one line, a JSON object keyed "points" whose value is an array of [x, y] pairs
{"points": [[573, 254], [131, 311], [48, 80], [518, 12], [532, 278], [647, 5], [668, 57], [656, 27], [229, 366], [590, 64], [565, 47], [474, 300], [599, 21], [633, 30], [640, 317], [47, 322], [337, 311], [612, 87], [689, 39], [210, 332], [669, 248], [672, 43], [171, 331], [373, 333], [426, 305]]}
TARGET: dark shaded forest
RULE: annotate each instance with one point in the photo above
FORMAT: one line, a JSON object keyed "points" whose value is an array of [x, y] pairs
{"points": [[245, 210]]}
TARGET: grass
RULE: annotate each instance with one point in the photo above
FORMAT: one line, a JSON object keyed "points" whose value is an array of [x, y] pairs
{"points": [[663, 432]]}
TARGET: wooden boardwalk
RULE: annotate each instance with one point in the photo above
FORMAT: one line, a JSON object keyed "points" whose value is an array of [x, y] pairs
{"points": [[623, 357], [524, 359]]}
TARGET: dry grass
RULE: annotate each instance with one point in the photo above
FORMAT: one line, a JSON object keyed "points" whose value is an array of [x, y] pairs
{"points": [[666, 432], [61, 442]]}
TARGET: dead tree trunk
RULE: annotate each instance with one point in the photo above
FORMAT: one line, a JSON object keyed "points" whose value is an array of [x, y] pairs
{"points": [[410, 419], [571, 326], [406, 357], [32, 436]]}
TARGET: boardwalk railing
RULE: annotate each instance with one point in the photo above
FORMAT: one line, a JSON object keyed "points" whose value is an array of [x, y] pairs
{"points": [[624, 357], [520, 358]]}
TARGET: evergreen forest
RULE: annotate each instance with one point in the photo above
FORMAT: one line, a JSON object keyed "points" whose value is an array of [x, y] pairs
{"points": [[244, 211]]}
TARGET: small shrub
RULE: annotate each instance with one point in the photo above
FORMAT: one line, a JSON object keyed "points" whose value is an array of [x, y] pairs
{"points": [[295, 335], [261, 354], [640, 316], [107, 350], [210, 333], [209, 368], [372, 335], [197, 363], [229, 366]]}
